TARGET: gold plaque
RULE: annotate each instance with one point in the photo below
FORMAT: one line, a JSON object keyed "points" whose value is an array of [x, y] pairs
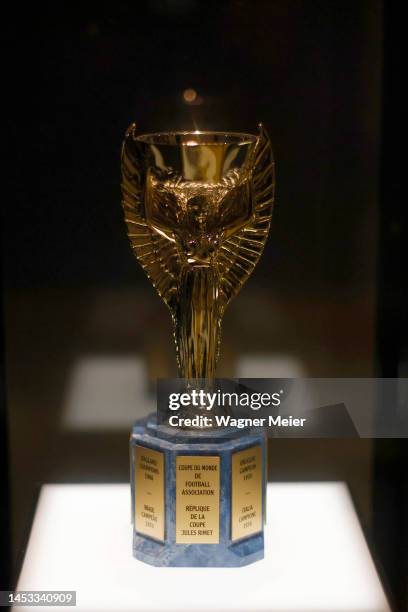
{"points": [[246, 514], [197, 499], [149, 492]]}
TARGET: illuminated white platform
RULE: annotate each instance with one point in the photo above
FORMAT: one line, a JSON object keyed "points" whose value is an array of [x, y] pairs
{"points": [[316, 557]]}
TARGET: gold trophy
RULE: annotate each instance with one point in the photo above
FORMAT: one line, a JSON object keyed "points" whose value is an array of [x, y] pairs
{"points": [[198, 208]]}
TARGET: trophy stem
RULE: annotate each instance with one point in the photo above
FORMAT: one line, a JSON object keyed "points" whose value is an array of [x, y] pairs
{"points": [[197, 326]]}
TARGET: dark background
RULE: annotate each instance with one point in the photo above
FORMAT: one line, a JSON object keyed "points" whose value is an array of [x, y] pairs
{"points": [[327, 298], [309, 70]]}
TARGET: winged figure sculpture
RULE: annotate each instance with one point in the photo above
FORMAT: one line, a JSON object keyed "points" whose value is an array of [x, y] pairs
{"points": [[198, 208]]}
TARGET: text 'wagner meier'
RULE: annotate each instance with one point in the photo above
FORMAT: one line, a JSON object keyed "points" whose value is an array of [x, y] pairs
{"points": [[206, 401]]}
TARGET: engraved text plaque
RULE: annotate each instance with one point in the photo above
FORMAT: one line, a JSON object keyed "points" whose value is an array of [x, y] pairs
{"points": [[149, 487], [197, 499], [246, 513]]}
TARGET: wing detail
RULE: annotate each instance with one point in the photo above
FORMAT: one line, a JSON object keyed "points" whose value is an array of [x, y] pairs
{"points": [[239, 254], [158, 256]]}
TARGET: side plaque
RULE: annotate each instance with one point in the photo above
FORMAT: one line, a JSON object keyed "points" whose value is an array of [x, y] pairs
{"points": [[197, 499], [246, 512], [149, 492]]}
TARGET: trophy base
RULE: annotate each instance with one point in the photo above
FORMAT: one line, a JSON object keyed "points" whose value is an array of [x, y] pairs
{"points": [[198, 498]]}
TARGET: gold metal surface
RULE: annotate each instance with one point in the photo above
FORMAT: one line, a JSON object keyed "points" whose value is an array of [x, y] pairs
{"points": [[246, 511], [197, 499], [198, 207], [149, 492]]}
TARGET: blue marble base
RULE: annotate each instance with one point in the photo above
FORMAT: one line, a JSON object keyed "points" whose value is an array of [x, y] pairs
{"points": [[220, 443]]}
